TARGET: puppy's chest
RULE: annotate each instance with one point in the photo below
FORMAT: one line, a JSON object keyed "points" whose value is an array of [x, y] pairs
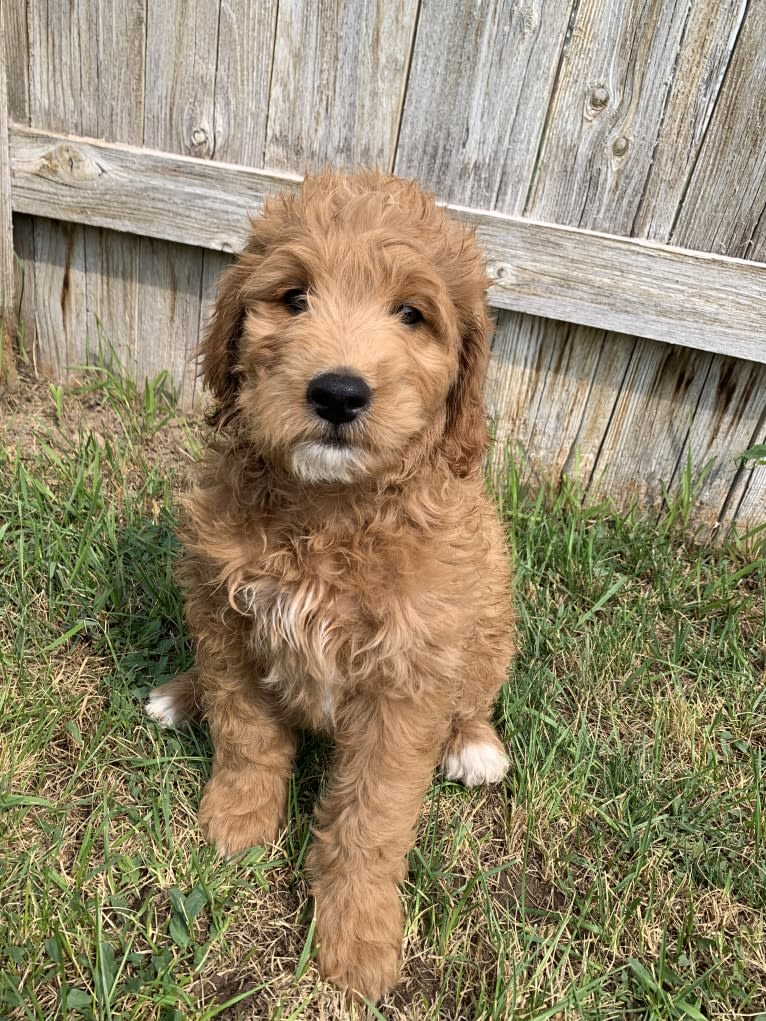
{"points": [[313, 617]]}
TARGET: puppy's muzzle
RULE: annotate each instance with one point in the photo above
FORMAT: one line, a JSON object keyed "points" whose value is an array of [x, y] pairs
{"points": [[338, 398]]}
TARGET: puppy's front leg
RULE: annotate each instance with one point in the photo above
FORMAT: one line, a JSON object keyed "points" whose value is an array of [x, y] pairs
{"points": [[244, 802], [384, 763]]}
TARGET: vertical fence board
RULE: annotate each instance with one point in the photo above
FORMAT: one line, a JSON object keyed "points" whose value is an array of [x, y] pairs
{"points": [[724, 204], [56, 100], [606, 112], [60, 275], [477, 97], [24, 245], [182, 40], [649, 428], [7, 283], [725, 422], [705, 54], [730, 175], [243, 80], [552, 388], [113, 260], [336, 98], [14, 50], [242, 86]]}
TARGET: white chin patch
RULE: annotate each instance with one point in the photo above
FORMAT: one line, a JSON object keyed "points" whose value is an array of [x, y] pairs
{"points": [[322, 462], [475, 764]]}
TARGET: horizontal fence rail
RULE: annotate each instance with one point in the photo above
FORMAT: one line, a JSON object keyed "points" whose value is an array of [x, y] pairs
{"points": [[695, 299]]}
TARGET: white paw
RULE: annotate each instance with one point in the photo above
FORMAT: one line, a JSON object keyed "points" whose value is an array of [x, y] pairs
{"points": [[164, 709], [477, 763]]}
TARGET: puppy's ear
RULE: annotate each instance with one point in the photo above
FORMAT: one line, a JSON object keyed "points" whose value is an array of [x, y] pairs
{"points": [[466, 434], [219, 348]]}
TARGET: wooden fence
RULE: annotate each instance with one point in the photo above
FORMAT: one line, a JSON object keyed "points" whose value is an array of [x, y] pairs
{"points": [[611, 155]]}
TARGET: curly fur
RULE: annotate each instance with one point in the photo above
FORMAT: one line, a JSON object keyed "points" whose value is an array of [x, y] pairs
{"points": [[353, 583]]}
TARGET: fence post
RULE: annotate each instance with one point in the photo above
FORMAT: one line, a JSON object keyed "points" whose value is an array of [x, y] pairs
{"points": [[7, 296]]}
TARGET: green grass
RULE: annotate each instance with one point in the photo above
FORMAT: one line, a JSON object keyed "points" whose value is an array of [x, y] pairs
{"points": [[619, 873]]}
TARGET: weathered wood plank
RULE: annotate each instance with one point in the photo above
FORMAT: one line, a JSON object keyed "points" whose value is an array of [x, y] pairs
{"points": [[477, 96], [14, 49], [725, 420], [58, 56], [606, 111], [702, 301], [113, 109], [551, 389], [649, 427], [706, 49], [625, 285], [243, 80], [137, 190], [723, 211], [7, 273], [725, 202], [748, 511], [62, 318], [340, 74], [26, 304], [181, 43]]}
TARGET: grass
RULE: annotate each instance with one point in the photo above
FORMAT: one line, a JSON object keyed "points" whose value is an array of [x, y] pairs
{"points": [[619, 873]]}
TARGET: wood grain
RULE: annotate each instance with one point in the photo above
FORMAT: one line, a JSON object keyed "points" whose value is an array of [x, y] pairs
{"points": [[58, 57], [478, 95], [695, 299], [709, 38], [7, 275], [725, 201], [243, 80], [605, 114], [340, 74], [649, 426]]}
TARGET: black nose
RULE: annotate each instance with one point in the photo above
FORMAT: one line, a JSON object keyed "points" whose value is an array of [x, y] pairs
{"points": [[338, 398]]}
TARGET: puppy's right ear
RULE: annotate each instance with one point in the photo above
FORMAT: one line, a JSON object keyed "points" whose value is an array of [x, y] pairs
{"points": [[219, 349]]}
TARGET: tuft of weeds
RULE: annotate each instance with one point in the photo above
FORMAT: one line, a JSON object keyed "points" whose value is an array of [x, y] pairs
{"points": [[619, 872]]}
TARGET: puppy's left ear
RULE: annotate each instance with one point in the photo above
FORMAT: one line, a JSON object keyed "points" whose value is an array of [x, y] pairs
{"points": [[466, 434]]}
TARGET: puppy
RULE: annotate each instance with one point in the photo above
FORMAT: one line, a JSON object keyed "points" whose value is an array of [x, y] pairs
{"points": [[344, 570]]}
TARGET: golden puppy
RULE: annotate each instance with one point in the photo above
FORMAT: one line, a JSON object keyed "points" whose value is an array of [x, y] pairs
{"points": [[344, 570]]}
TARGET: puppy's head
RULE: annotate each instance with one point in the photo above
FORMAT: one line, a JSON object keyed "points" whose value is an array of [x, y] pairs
{"points": [[351, 336]]}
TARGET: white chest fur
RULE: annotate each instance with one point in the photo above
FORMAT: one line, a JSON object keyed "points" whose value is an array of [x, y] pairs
{"points": [[298, 631]]}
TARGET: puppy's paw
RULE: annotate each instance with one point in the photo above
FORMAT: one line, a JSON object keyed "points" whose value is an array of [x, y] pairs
{"points": [[360, 940], [233, 817], [164, 709], [362, 971], [476, 762], [177, 702]]}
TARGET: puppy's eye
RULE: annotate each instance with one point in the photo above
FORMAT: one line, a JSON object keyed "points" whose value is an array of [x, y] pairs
{"points": [[295, 301], [409, 315]]}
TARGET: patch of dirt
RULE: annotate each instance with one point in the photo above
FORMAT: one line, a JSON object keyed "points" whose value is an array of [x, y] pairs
{"points": [[29, 417]]}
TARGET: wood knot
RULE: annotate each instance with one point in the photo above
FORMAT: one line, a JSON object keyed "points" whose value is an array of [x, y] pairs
{"points": [[501, 273], [200, 141], [199, 137], [70, 164], [620, 145], [599, 97]]}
